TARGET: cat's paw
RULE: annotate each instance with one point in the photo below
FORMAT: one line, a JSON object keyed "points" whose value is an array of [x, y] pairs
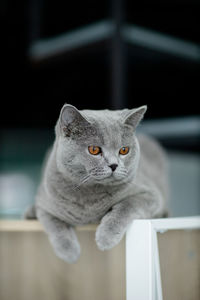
{"points": [[66, 249], [108, 235]]}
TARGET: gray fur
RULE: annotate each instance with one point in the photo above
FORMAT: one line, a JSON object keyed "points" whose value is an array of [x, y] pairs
{"points": [[78, 188]]}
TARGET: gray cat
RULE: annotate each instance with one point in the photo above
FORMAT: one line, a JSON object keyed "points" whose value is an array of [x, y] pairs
{"points": [[98, 171]]}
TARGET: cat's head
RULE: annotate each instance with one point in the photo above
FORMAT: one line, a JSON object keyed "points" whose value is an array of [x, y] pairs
{"points": [[98, 146]]}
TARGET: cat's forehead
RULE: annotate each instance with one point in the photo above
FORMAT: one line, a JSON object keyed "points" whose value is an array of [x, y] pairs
{"points": [[101, 115], [109, 126]]}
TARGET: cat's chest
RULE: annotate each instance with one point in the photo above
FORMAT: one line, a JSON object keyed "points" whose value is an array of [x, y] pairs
{"points": [[84, 206], [90, 200]]}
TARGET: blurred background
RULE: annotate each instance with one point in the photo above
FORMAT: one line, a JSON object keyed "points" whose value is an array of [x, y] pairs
{"points": [[107, 54]]}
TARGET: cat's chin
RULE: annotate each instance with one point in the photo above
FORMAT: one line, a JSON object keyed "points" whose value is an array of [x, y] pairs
{"points": [[111, 179]]}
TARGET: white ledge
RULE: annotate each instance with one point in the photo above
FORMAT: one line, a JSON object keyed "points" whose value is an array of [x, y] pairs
{"points": [[164, 224]]}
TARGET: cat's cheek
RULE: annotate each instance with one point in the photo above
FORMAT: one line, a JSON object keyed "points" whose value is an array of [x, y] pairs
{"points": [[94, 161], [126, 160]]}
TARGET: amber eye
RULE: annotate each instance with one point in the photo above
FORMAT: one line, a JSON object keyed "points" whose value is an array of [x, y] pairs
{"points": [[94, 150], [124, 150]]}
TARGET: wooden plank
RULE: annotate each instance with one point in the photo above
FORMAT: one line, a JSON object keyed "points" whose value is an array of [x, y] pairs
{"points": [[33, 226], [30, 270], [180, 264]]}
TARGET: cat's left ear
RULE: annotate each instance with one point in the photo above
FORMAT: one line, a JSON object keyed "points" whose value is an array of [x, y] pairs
{"points": [[135, 116], [70, 115], [72, 122]]}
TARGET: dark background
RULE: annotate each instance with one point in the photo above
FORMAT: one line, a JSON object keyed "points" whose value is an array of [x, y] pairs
{"points": [[34, 90], [32, 93]]}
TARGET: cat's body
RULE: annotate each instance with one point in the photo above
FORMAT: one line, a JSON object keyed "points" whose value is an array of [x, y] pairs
{"points": [[86, 204], [78, 188]]}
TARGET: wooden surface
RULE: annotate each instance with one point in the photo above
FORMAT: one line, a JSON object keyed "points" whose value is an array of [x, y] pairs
{"points": [[180, 264], [30, 270], [32, 226]]}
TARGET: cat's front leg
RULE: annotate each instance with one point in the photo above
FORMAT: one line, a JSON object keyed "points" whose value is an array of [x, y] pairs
{"points": [[61, 236], [115, 223]]}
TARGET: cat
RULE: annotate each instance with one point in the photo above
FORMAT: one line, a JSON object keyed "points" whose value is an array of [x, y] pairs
{"points": [[99, 171]]}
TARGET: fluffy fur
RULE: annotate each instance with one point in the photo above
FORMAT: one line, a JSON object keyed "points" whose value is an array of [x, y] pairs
{"points": [[78, 188]]}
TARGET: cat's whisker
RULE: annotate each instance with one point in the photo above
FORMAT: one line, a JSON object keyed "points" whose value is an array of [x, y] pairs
{"points": [[123, 172], [83, 180], [99, 173]]}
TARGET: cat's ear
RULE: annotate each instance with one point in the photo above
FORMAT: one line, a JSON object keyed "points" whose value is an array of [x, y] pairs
{"points": [[71, 119], [135, 116]]}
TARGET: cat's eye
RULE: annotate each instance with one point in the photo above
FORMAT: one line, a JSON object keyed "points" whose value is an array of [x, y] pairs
{"points": [[124, 150], [94, 150]]}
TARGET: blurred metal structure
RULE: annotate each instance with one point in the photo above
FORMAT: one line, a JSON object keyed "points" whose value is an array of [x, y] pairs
{"points": [[41, 50], [116, 33]]}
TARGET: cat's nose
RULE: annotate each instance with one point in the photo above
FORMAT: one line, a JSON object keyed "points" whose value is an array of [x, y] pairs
{"points": [[113, 167]]}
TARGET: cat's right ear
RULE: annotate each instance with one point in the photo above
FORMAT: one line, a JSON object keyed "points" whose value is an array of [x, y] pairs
{"points": [[135, 115], [71, 119]]}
